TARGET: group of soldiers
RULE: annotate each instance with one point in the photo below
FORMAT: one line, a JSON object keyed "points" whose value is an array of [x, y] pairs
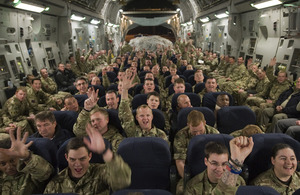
{"points": [[160, 76]]}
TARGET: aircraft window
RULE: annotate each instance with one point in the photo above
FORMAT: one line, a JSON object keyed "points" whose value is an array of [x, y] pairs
{"points": [[281, 42], [251, 25], [7, 48], [10, 30], [17, 47], [286, 57], [291, 43]]}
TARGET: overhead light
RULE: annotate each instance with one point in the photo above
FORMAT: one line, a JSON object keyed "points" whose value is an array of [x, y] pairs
{"points": [[222, 15], [29, 6], [121, 11], [178, 9], [77, 18], [265, 4], [94, 21], [206, 19], [47, 9], [169, 21], [189, 23]]}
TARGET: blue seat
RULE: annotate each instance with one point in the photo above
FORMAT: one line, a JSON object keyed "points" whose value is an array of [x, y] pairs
{"points": [[209, 99], [195, 152], [113, 87], [188, 73], [169, 78], [188, 88], [80, 99], [138, 100], [115, 121], [183, 113], [63, 163], [101, 91], [44, 148], [143, 192], [149, 159], [232, 118], [257, 190], [139, 88], [199, 87], [66, 119], [263, 144], [195, 100]]}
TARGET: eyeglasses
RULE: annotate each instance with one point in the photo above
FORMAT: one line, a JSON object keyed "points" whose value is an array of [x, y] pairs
{"points": [[216, 164]]}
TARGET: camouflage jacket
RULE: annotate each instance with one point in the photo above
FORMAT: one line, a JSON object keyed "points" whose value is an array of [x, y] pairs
{"points": [[48, 85], [35, 99], [15, 110], [112, 134], [262, 87], [278, 88], [30, 179], [200, 185], [269, 178], [133, 130], [98, 179], [182, 140], [238, 72]]}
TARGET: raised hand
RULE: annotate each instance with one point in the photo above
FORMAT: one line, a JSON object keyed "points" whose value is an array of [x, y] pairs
{"points": [[96, 142], [272, 62], [91, 102], [240, 148], [19, 148]]}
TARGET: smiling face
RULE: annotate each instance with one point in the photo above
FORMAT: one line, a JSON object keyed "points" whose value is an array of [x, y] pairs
{"points": [[78, 161], [285, 163], [8, 165], [144, 117], [153, 102], [215, 164]]}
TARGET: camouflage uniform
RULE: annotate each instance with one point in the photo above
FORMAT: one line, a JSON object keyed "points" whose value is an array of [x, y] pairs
{"points": [[182, 139], [262, 88], [30, 179], [112, 134], [48, 85], [201, 185], [75, 69], [237, 73], [133, 130], [16, 112], [181, 142], [98, 179], [269, 178], [39, 101]]}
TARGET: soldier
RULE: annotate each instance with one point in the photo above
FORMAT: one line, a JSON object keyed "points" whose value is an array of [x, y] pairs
{"points": [[22, 171], [261, 89], [62, 79], [98, 118], [210, 86], [222, 173], [283, 176], [37, 99], [70, 73], [48, 85], [112, 100], [16, 111], [289, 126], [71, 104], [74, 66], [247, 131], [81, 84], [84, 178], [96, 81], [144, 115], [48, 128], [222, 101], [196, 125], [284, 107]]}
